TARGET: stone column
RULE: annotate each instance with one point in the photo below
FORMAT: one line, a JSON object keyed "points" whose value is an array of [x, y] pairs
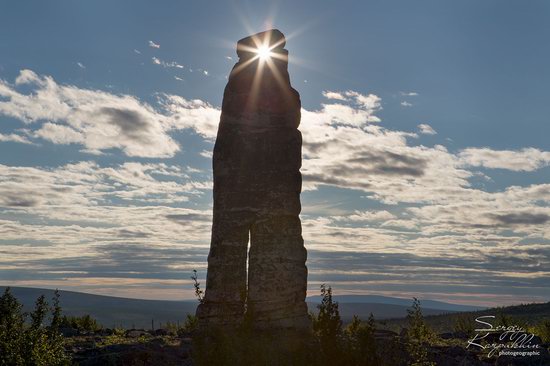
{"points": [[257, 185]]}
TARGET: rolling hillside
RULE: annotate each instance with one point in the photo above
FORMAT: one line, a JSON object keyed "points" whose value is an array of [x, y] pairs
{"points": [[521, 315], [111, 311]]}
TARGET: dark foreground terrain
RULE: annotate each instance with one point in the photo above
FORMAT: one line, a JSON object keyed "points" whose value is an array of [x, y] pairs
{"points": [[133, 347], [137, 347], [44, 334], [520, 336]]}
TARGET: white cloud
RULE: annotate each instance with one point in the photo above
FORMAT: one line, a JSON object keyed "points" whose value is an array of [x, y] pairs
{"points": [[12, 137], [85, 215], [333, 95], [344, 148], [358, 216], [88, 184], [29, 77], [153, 44], [195, 114], [99, 120], [527, 159], [59, 134], [409, 94], [426, 129], [165, 64], [406, 104], [206, 154], [369, 103], [81, 65], [437, 219]]}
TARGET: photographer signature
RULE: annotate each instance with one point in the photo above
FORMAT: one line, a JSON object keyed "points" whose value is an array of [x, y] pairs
{"points": [[511, 337]]}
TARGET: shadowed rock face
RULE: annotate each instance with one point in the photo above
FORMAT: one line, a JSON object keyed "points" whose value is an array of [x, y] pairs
{"points": [[257, 184]]}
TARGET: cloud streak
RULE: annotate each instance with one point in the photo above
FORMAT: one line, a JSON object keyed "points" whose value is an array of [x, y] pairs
{"points": [[153, 44], [526, 160]]}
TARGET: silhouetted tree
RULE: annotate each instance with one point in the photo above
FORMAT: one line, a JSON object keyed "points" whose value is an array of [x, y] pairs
{"points": [[360, 342], [32, 344], [418, 335], [196, 284], [56, 312], [39, 314], [11, 330], [328, 326]]}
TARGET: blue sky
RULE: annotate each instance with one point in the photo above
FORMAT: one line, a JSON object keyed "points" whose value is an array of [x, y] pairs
{"points": [[426, 153]]}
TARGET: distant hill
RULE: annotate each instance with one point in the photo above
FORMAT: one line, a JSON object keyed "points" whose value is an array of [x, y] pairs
{"points": [[521, 315], [111, 311], [375, 299], [380, 311]]}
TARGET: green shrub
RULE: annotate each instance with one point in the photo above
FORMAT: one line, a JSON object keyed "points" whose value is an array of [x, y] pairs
{"points": [[418, 335], [33, 343], [11, 330], [328, 322], [464, 324], [84, 323], [191, 323], [542, 330], [360, 342], [327, 327], [199, 293], [503, 319]]}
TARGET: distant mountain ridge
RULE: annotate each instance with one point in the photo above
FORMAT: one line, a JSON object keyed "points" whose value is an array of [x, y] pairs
{"points": [[520, 315], [124, 312], [377, 299], [108, 310]]}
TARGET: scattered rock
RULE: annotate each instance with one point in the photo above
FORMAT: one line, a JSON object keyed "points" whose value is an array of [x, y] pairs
{"points": [[454, 335], [384, 334], [136, 333], [161, 332], [453, 356], [68, 332]]}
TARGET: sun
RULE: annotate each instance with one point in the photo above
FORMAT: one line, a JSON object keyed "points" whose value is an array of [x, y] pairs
{"points": [[263, 52]]}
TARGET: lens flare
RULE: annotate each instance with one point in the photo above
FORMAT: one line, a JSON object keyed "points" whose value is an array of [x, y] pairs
{"points": [[264, 52]]}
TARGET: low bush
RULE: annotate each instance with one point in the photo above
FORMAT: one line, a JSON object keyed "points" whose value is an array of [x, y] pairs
{"points": [[31, 343]]}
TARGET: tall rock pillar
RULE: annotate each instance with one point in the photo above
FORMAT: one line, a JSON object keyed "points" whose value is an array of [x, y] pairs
{"points": [[257, 184]]}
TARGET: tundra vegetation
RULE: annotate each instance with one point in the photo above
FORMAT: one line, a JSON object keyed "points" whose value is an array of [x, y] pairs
{"points": [[45, 336], [328, 343], [31, 338]]}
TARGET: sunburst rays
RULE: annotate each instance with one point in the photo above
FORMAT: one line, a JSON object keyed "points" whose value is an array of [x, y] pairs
{"points": [[264, 53]]}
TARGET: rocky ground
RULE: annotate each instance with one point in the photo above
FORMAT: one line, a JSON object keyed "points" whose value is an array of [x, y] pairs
{"points": [[132, 347], [140, 347]]}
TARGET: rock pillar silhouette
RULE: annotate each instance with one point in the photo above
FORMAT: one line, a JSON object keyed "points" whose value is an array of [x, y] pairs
{"points": [[257, 185]]}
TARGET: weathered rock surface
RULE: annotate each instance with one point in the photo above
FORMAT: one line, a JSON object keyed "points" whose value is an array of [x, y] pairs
{"points": [[157, 351], [257, 185]]}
